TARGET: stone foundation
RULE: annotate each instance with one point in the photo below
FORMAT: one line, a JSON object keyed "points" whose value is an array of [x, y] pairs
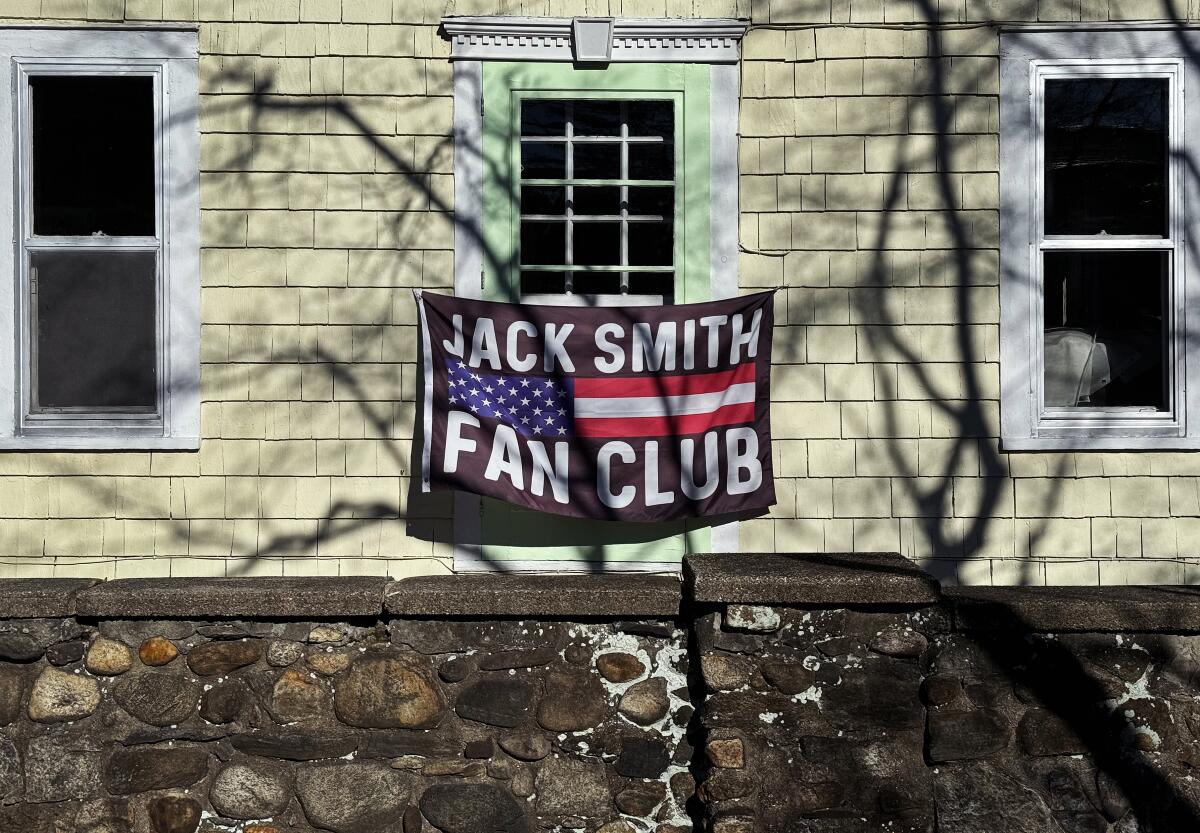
{"points": [[819, 693]]}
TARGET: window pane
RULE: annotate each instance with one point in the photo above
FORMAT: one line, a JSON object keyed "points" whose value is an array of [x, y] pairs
{"points": [[95, 329], [650, 244], [543, 199], [1106, 156], [651, 118], [93, 155], [596, 283], [598, 244], [653, 283], [653, 201], [1105, 336], [600, 199], [542, 283], [543, 118], [543, 160], [651, 161], [543, 243], [597, 118], [597, 161]]}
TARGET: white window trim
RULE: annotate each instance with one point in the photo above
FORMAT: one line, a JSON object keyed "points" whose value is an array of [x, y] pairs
{"points": [[715, 42], [170, 56], [1027, 60]]}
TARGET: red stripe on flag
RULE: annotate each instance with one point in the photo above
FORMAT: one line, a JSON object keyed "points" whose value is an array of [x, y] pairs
{"points": [[664, 426], [650, 385]]}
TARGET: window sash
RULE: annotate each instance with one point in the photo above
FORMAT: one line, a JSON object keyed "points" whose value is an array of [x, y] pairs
{"points": [[32, 418], [1065, 422], [623, 139]]}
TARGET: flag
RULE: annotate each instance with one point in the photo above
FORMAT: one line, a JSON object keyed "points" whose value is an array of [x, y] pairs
{"points": [[618, 413]]}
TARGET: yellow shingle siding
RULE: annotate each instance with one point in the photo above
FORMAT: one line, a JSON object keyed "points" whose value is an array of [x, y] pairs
{"points": [[868, 150]]}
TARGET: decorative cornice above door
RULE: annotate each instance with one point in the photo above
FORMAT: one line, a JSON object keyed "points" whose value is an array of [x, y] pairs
{"points": [[710, 41]]}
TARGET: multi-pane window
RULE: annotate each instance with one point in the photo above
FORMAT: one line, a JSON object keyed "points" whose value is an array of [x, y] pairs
{"points": [[1106, 249], [92, 246], [99, 194], [597, 195], [1098, 333]]}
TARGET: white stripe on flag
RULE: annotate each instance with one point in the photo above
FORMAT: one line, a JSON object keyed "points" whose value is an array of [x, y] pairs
{"points": [[656, 406]]}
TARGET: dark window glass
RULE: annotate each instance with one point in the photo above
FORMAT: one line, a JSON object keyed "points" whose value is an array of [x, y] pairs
{"points": [[652, 201], [651, 161], [542, 283], [653, 283], [597, 118], [543, 199], [600, 199], [596, 283], [597, 161], [95, 329], [1104, 329], [1106, 156], [598, 244], [93, 155], [543, 118], [651, 118], [543, 160], [543, 243], [650, 244]]}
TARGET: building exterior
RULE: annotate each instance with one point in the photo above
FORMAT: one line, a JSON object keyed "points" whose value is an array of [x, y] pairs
{"points": [[978, 218]]}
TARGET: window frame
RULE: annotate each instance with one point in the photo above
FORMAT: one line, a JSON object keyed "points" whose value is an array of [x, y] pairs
{"points": [[1029, 59], [170, 58]]}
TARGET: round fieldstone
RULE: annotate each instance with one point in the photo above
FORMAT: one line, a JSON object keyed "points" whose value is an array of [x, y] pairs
{"points": [[723, 672], [788, 677], [244, 792], [726, 753], [328, 662], [456, 669], [640, 799], [327, 633], [138, 769], [473, 808], [526, 747], [107, 657], [619, 667], [223, 702], [496, 701], [281, 652], [59, 696], [159, 698], [899, 642], [219, 658], [157, 651], [645, 702], [296, 696], [19, 646], [384, 691], [573, 701], [65, 653], [61, 766], [353, 797], [174, 814], [616, 827]]}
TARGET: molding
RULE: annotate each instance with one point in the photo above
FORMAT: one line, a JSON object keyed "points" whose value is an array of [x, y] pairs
{"points": [[713, 41]]}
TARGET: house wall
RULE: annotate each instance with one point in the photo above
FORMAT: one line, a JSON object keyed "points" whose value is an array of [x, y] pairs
{"points": [[869, 196]]}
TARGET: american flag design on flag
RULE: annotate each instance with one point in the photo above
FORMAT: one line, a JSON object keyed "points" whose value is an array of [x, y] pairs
{"points": [[636, 414]]}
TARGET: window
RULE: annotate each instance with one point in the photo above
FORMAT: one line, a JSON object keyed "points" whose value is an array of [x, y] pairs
{"points": [[102, 286], [597, 198], [1094, 314]]}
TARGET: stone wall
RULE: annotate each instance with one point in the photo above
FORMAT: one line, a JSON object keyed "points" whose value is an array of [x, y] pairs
{"points": [[800, 693]]}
